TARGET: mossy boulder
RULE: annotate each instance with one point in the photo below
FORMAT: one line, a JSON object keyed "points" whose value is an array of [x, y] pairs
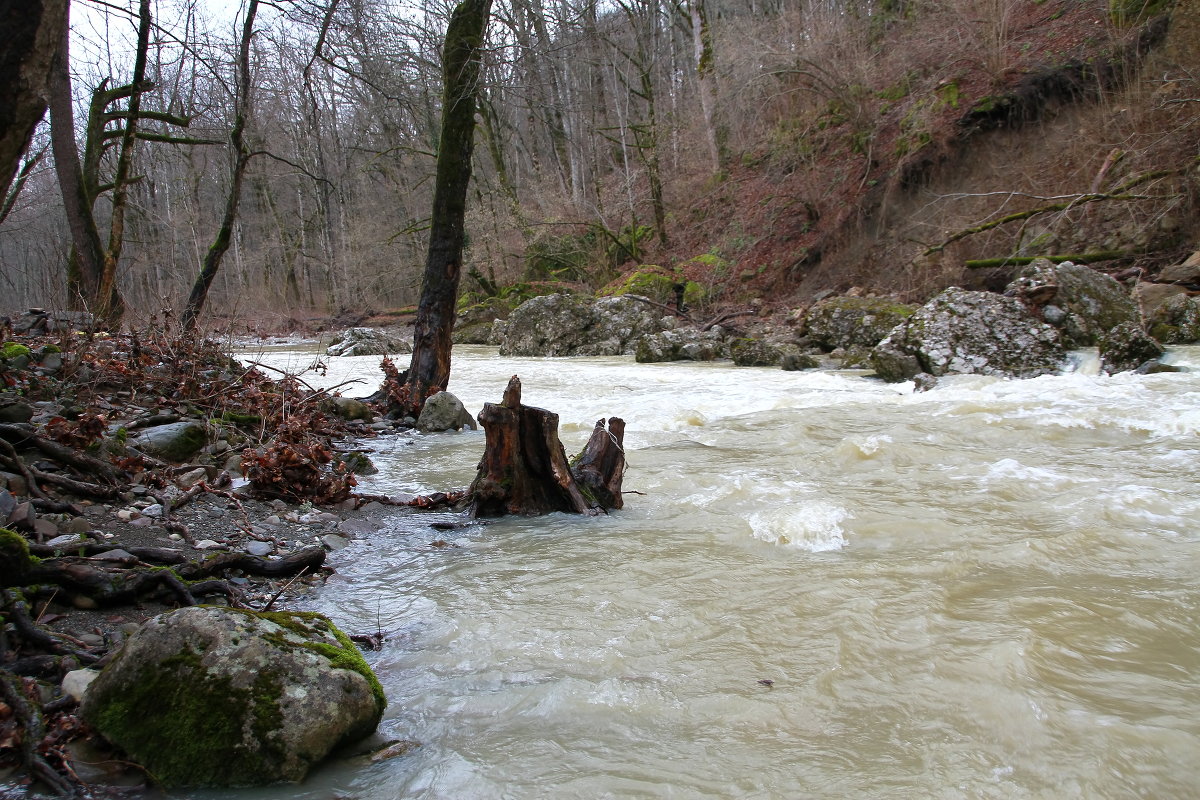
{"points": [[1176, 320], [209, 696], [1081, 302], [853, 321], [569, 325], [15, 561], [658, 284], [175, 441]]}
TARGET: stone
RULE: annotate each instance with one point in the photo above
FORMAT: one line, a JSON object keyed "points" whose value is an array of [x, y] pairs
{"points": [[1085, 303], [794, 362], [349, 408], [681, 344], [209, 696], [76, 682], [190, 478], [78, 525], [969, 332], [443, 412], [176, 441], [852, 321], [1152, 296], [153, 510], [21, 518], [366, 342], [207, 544], [260, 549], [14, 410], [358, 527], [571, 325], [1176, 321], [334, 542], [8, 504], [1128, 347], [357, 462], [66, 541], [755, 353]]}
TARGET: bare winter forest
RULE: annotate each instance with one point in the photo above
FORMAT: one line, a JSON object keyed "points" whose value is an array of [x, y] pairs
{"points": [[767, 149]]}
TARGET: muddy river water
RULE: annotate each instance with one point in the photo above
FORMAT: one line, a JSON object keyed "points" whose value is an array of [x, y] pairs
{"points": [[825, 586]]}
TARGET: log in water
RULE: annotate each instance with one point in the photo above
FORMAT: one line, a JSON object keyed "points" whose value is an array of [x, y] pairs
{"points": [[827, 587]]}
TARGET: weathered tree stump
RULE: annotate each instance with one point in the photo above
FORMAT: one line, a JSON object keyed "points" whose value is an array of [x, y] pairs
{"points": [[524, 469]]}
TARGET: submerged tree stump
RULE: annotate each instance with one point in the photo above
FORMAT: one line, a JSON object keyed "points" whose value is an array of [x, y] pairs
{"points": [[524, 469]]}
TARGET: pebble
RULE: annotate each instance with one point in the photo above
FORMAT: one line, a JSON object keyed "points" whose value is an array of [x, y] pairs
{"points": [[153, 510], [358, 527], [207, 544], [66, 540], [83, 602], [141, 522], [260, 548], [126, 514], [114, 555], [272, 520], [79, 525], [333, 541]]}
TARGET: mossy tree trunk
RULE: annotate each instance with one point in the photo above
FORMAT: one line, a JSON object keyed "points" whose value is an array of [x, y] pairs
{"points": [[429, 370]]}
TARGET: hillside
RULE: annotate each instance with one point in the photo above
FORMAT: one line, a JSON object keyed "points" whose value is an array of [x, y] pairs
{"points": [[872, 165]]}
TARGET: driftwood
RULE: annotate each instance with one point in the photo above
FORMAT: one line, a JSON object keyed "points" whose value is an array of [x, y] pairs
{"points": [[524, 469]]}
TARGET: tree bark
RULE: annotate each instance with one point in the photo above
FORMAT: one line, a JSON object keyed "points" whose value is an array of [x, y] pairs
{"points": [[30, 33], [241, 158], [524, 469], [84, 270], [429, 370]]}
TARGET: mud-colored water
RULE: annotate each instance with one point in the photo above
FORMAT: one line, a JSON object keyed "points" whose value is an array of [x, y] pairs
{"points": [[989, 590]]}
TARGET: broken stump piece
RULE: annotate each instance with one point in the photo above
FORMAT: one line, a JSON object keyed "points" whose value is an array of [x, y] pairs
{"points": [[524, 469]]}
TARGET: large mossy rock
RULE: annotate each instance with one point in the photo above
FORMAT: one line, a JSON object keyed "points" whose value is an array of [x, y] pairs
{"points": [[853, 321], [571, 325], [969, 332], [1176, 320], [175, 441], [1081, 302], [208, 696]]}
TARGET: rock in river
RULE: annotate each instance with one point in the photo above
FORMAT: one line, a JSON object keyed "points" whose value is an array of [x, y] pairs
{"points": [[969, 332], [208, 696]]}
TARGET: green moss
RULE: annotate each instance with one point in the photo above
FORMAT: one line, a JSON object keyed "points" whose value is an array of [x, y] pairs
{"points": [[343, 656], [15, 561], [658, 284], [238, 418], [949, 94], [192, 746], [13, 350]]}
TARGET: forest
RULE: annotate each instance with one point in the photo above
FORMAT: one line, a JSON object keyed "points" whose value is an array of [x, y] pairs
{"points": [[765, 149]]}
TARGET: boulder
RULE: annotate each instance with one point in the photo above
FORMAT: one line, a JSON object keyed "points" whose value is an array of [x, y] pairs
{"points": [[1176, 321], [366, 342], [794, 362], [1076, 299], [969, 332], [208, 696], [444, 412], [852, 321], [14, 409], [755, 353], [570, 325], [1152, 296], [1127, 347], [681, 344], [175, 441]]}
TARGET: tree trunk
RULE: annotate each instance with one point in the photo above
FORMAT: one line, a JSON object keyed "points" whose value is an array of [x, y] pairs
{"points": [[30, 33], [524, 469], [85, 268], [430, 366], [241, 158]]}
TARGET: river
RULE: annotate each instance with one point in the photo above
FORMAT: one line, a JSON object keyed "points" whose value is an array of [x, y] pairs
{"points": [[824, 586]]}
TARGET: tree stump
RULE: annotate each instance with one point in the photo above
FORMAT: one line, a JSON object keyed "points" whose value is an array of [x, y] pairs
{"points": [[524, 469]]}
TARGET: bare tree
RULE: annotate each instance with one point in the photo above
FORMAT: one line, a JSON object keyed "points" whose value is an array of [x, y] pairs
{"points": [[430, 366]]}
